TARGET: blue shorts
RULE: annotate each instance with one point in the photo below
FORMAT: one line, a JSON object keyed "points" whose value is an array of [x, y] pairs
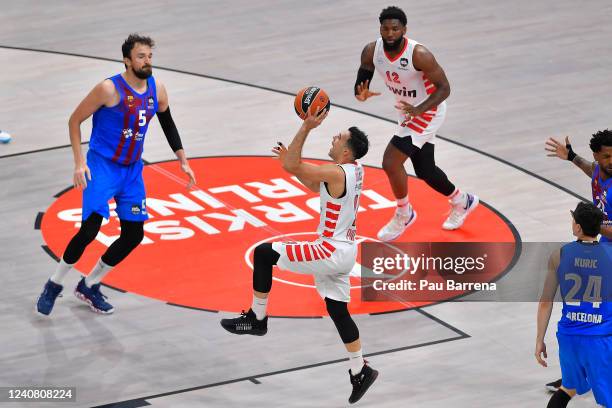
{"points": [[110, 179], [586, 363]]}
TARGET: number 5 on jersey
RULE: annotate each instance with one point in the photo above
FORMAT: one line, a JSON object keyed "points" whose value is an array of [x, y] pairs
{"points": [[142, 117]]}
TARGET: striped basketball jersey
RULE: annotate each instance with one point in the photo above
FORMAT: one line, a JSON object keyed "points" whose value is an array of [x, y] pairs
{"points": [[585, 282], [602, 197], [339, 215], [118, 132], [405, 82]]}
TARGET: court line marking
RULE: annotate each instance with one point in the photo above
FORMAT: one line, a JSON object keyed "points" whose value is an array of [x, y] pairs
{"points": [[265, 88], [515, 233], [142, 401], [139, 402]]}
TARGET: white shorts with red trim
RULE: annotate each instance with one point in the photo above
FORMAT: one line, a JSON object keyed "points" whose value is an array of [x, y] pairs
{"points": [[330, 262], [422, 128]]}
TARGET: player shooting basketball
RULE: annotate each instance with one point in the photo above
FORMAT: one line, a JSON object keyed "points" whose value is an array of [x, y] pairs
{"points": [[331, 257]]}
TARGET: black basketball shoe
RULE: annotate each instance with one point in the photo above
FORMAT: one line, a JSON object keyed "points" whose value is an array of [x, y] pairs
{"points": [[554, 386], [247, 323], [361, 382]]}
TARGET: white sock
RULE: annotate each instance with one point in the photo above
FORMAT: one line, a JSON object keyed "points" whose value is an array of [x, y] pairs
{"points": [[259, 307], [97, 273], [403, 206], [458, 197], [60, 273], [356, 361]]}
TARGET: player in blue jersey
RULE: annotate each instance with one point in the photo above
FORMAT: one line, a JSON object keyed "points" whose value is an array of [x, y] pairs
{"points": [[122, 107], [600, 172], [583, 272]]}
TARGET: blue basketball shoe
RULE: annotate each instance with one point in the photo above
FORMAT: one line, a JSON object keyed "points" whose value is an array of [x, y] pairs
{"points": [[46, 300], [93, 297]]}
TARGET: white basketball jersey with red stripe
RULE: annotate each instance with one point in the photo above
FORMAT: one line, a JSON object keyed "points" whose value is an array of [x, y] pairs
{"points": [[339, 215], [408, 84]]}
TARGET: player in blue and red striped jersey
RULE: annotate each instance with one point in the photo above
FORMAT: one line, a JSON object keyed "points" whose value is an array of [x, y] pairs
{"points": [[122, 107], [600, 172]]}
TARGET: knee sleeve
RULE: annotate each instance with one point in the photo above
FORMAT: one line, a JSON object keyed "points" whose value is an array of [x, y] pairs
{"points": [[264, 257], [425, 168], [132, 233], [439, 182], [87, 233], [338, 311]]}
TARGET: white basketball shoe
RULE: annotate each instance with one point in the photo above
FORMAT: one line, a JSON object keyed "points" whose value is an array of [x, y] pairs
{"points": [[460, 211], [397, 225]]}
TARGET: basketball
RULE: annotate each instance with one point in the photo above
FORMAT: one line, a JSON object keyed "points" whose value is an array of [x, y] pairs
{"points": [[310, 96]]}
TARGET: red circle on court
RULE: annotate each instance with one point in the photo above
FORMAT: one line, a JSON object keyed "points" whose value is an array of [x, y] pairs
{"points": [[198, 243]]}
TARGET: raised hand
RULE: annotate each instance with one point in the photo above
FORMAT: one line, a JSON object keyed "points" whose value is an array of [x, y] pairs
{"points": [[314, 119], [363, 91], [557, 149], [280, 151]]}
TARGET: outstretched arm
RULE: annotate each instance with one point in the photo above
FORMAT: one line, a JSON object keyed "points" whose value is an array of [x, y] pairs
{"points": [[281, 150], [565, 152], [291, 157]]}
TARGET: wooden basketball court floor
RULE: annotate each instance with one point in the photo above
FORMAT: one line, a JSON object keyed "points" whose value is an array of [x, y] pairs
{"points": [[519, 71]]}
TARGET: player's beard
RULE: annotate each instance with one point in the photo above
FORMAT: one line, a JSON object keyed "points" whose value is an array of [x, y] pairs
{"points": [[394, 46], [143, 73]]}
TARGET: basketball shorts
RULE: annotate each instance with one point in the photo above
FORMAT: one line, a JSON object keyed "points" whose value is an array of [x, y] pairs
{"points": [[330, 262], [422, 129], [113, 180], [586, 363]]}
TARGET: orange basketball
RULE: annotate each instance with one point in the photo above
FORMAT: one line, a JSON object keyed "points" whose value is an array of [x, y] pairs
{"points": [[310, 96]]}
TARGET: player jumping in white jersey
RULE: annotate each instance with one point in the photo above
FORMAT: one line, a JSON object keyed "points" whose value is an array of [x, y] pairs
{"points": [[420, 86], [331, 257]]}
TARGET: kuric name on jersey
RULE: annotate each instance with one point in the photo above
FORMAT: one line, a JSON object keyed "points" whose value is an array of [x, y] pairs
{"points": [[585, 263]]}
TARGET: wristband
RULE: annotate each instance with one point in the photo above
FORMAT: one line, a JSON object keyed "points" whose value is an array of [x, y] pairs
{"points": [[570, 152], [362, 76]]}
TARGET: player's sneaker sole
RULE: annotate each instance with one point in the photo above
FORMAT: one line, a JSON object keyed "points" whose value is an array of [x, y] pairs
{"points": [[84, 299]]}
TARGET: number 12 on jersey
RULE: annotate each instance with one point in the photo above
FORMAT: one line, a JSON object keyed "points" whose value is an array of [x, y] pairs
{"points": [[393, 77]]}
